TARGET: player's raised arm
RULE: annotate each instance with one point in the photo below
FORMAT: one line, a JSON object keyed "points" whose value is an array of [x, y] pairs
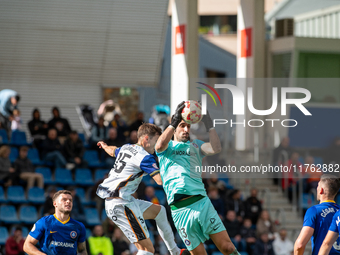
{"points": [[82, 248], [214, 145], [328, 242], [108, 149], [30, 248], [164, 139], [301, 242]]}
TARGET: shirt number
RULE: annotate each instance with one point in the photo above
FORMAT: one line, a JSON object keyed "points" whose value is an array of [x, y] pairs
{"points": [[120, 163]]}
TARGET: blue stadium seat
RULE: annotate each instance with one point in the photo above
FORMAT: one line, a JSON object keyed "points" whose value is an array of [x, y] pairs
{"points": [[82, 195], [2, 195], [16, 194], [33, 155], [28, 214], [3, 136], [14, 154], [307, 200], [8, 214], [46, 172], [103, 216], [92, 158], [99, 174], [3, 235], [301, 160], [19, 138], [161, 196], [36, 195], [88, 233], [83, 139], [63, 177], [84, 177], [92, 217]]}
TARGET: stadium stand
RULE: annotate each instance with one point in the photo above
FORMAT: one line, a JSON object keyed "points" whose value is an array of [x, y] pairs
{"points": [[36, 195], [63, 177], [46, 172], [83, 177], [8, 214], [28, 214]]}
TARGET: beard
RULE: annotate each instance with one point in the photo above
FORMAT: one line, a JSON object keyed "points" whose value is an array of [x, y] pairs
{"points": [[66, 211]]}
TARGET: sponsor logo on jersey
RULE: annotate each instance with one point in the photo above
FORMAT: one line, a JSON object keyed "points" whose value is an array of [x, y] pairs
{"points": [[155, 166], [51, 232], [187, 242], [33, 228], [326, 211], [63, 244], [73, 234], [195, 145], [337, 221]]}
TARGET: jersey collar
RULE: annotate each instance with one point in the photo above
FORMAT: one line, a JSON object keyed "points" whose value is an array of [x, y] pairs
{"points": [[63, 222], [328, 201]]}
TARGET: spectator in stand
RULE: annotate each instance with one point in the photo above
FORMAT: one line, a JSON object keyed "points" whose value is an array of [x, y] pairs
{"points": [[281, 155], [119, 241], [133, 137], [74, 150], [16, 123], [282, 245], [289, 179], [99, 132], [78, 212], [138, 122], [38, 128], [253, 206], [98, 243], [109, 227], [234, 203], [216, 201], [233, 226], [48, 207], [248, 234], [150, 196], [51, 149], [24, 167], [15, 243], [265, 225], [264, 246], [8, 102], [7, 172], [313, 173], [111, 141], [121, 127], [213, 181], [60, 124]]}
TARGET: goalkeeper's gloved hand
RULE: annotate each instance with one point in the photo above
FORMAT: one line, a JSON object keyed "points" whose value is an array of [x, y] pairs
{"points": [[177, 117], [207, 121]]}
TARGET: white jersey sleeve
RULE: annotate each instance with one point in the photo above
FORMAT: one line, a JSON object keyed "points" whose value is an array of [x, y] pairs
{"points": [[127, 173]]}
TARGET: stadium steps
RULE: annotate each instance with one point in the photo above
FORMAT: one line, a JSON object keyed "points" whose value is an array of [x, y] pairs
{"points": [[293, 222]]}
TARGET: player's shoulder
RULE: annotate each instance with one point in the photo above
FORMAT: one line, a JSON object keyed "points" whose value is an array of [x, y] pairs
{"points": [[77, 223]]}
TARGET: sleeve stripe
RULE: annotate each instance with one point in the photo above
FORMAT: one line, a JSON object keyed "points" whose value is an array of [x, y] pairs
{"points": [[154, 173]]}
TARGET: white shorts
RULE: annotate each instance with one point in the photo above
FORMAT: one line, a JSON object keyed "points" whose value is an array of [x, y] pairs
{"points": [[128, 216]]}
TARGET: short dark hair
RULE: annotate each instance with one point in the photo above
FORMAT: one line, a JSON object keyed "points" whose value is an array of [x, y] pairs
{"points": [[148, 129], [332, 183], [17, 97], [18, 229], [57, 194]]}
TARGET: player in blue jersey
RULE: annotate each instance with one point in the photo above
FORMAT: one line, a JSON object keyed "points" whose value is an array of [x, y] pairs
{"points": [[57, 233], [129, 214], [319, 217], [332, 238], [194, 216]]}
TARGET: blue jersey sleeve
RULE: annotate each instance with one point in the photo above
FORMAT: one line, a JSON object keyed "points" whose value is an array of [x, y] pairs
{"points": [[38, 229], [149, 165], [310, 218], [334, 225], [117, 151], [82, 236]]}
